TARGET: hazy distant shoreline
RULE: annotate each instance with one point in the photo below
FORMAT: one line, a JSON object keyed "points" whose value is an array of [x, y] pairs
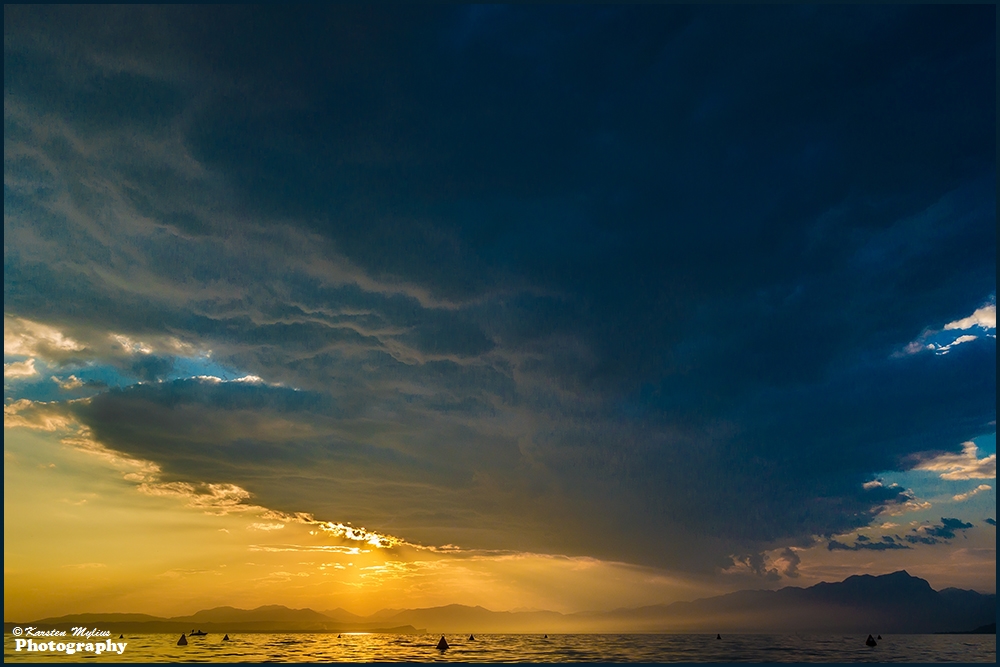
{"points": [[895, 603]]}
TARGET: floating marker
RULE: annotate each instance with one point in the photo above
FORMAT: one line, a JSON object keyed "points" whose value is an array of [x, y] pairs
{"points": [[121, 636], [718, 636], [183, 641], [879, 637], [226, 638], [443, 644], [871, 641], [472, 638]]}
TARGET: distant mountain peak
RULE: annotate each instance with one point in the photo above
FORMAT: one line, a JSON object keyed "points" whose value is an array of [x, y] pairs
{"points": [[897, 602], [898, 574]]}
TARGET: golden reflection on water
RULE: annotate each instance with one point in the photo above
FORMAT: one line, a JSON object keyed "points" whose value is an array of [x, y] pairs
{"points": [[363, 647]]}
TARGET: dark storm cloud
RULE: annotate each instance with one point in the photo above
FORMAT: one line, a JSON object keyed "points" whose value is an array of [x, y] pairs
{"points": [[866, 545], [296, 449], [630, 282], [947, 528], [935, 534], [757, 564], [150, 367]]}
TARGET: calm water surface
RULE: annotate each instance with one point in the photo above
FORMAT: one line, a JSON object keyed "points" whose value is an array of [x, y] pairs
{"points": [[534, 648]]}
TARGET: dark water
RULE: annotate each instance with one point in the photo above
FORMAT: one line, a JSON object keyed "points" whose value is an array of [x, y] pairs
{"points": [[532, 648]]}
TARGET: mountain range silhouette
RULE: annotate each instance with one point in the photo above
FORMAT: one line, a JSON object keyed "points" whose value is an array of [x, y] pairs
{"points": [[892, 603]]}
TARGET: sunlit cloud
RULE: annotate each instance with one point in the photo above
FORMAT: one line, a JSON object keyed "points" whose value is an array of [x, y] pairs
{"points": [[266, 526], [27, 338], [907, 502], [212, 498], [70, 383], [914, 347], [37, 415], [359, 535], [319, 548], [131, 346], [965, 465], [984, 318], [909, 506], [20, 369], [904, 501], [968, 494], [933, 340], [145, 359], [944, 349]]}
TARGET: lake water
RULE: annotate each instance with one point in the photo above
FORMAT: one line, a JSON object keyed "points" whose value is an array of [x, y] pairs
{"points": [[531, 648]]}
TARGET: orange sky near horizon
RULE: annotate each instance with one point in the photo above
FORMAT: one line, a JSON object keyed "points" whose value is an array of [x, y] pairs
{"points": [[85, 532]]}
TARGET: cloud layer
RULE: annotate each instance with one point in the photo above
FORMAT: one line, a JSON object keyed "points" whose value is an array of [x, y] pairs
{"points": [[515, 278]]}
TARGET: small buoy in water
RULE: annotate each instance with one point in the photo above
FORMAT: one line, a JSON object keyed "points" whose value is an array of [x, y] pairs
{"points": [[545, 637], [472, 638], [443, 644], [879, 637], [183, 641], [870, 641], [226, 638], [338, 636], [121, 636], [718, 636]]}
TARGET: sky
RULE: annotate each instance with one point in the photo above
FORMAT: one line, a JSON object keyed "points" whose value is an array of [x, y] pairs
{"points": [[568, 307]]}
